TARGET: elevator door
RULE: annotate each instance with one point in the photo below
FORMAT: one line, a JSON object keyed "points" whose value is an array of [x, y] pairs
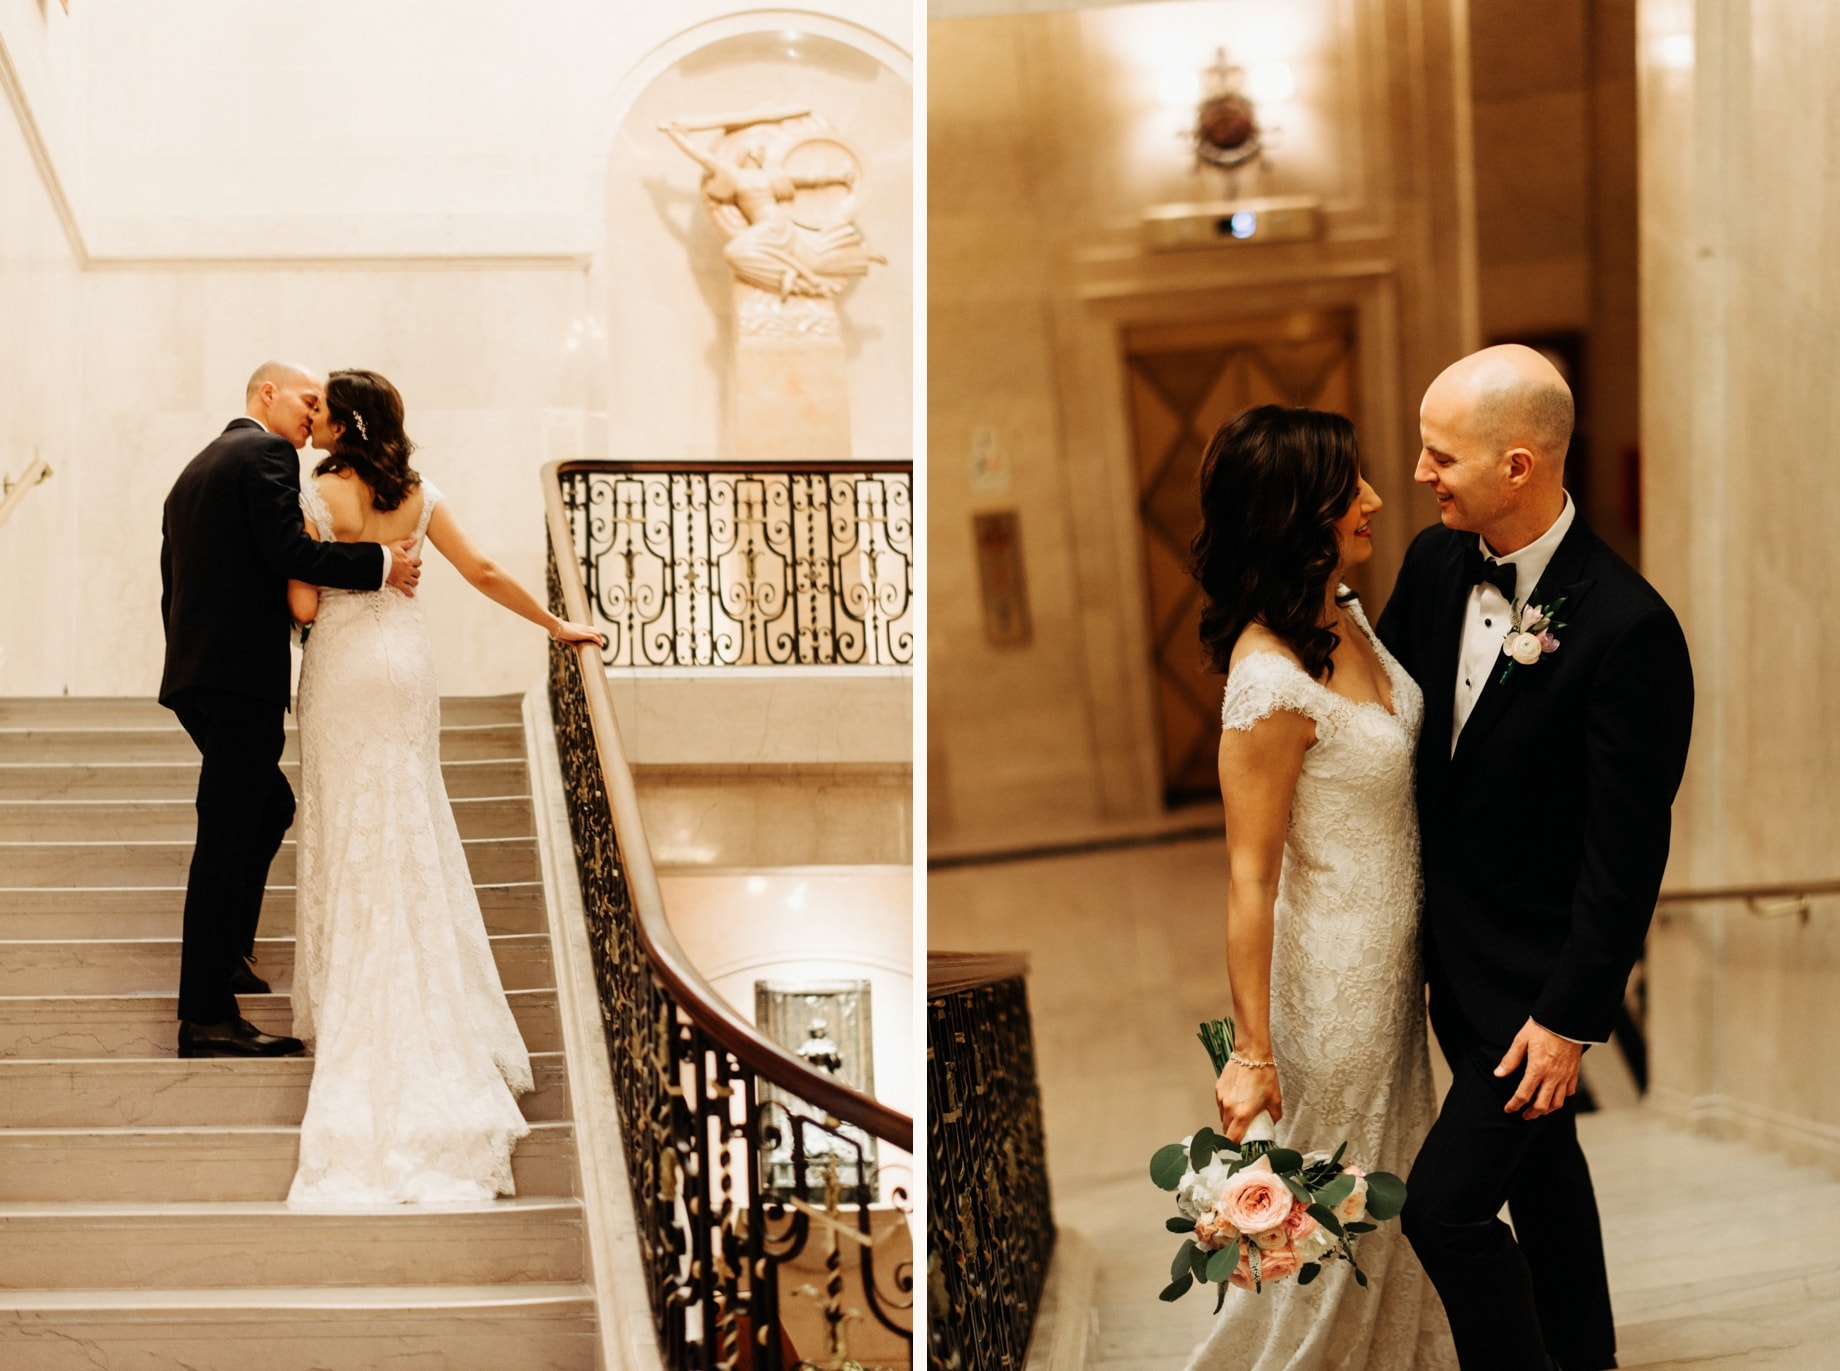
{"points": [[1185, 382]]}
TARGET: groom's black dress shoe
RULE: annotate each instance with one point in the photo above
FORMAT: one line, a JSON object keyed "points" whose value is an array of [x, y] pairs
{"points": [[244, 980], [234, 1038]]}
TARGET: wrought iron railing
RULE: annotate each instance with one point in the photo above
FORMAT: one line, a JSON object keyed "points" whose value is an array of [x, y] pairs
{"points": [[990, 1226], [725, 565], [714, 1233]]}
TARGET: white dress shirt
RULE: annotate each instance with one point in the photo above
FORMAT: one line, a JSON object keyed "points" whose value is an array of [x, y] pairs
{"points": [[389, 554], [1485, 620]]}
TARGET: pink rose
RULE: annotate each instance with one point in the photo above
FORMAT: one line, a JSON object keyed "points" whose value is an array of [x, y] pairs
{"points": [[1255, 1199], [1278, 1264], [1353, 1208], [1273, 1238], [1298, 1224]]}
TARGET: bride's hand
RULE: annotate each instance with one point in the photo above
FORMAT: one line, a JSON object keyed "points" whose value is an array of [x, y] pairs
{"points": [[1242, 1092], [566, 632]]}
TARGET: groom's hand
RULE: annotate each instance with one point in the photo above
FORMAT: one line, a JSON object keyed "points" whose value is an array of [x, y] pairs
{"points": [[1551, 1077], [405, 566]]}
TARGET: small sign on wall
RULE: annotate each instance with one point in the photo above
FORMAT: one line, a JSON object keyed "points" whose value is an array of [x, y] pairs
{"points": [[1000, 579]]}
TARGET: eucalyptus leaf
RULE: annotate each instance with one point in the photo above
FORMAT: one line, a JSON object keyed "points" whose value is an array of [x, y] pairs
{"points": [[1198, 1264], [1335, 1191], [1224, 1262], [1299, 1191], [1168, 1166], [1285, 1159], [1180, 1224], [1386, 1195], [1336, 1160], [1221, 1298], [1201, 1147], [1326, 1218], [1355, 1229], [1185, 1255], [1308, 1272], [1177, 1288], [1360, 1278]]}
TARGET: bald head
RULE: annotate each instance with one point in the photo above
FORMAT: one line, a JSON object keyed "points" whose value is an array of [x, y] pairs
{"points": [[1514, 398], [284, 397], [1494, 428], [275, 374]]}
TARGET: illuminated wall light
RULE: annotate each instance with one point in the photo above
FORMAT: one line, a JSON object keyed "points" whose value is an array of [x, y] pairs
{"points": [[1271, 83], [1676, 51], [1179, 88]]}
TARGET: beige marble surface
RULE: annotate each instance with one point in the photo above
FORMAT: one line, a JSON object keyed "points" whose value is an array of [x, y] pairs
{"points": [[1741, 321]]}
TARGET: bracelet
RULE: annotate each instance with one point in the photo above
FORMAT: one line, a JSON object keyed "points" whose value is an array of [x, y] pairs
{"points": [[1235, 1059]]}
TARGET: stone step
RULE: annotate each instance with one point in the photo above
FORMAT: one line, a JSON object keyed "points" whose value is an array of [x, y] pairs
{"points": [[167, 1092], [169, 743], [139, 711], [303, 1328], [216, 1165], [56, 913], [56, 821], [194, 1246], [179, 780], [78, 864], [60, 1027], [121, 966]]}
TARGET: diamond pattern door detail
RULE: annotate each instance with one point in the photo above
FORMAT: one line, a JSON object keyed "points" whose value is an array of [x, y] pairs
{"points": [[1184, 383]]}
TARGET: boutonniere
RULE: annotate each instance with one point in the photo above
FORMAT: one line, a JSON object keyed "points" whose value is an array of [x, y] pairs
{"points": [[1532, 634]]}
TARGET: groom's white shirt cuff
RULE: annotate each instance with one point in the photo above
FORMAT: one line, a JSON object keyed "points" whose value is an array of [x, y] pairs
{"points": [[1582, 1042], [389, 557]]}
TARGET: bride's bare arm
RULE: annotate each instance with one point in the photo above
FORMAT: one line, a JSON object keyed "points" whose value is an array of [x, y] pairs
{"points": [[303, 599], [490, 580], [1259, 768]]}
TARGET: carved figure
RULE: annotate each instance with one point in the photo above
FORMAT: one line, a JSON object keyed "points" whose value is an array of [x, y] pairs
{"points": [[781, 189]]}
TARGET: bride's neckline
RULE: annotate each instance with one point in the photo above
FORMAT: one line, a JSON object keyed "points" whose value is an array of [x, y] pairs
{"points": [[1390, 710]]}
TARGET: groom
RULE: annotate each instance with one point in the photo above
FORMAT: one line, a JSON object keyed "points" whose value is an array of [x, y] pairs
{"points": [[1545, 782], [232, 538]]}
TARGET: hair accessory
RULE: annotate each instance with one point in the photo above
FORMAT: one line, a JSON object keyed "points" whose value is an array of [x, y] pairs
{"points": [[358, 419]]}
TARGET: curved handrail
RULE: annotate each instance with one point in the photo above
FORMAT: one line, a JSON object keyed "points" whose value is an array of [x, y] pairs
{"points": [[12, 492], [694, 995], [1782, 890]]}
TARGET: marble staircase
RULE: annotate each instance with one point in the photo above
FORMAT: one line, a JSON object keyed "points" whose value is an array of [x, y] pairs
{"points": [[142, 1214]]}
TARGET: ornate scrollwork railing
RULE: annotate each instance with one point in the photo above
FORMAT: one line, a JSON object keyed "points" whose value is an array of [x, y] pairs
{"points": [[990, 1227], [724, 565], [715, 1235]]}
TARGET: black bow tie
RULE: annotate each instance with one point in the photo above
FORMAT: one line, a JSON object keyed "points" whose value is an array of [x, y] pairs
{"points": [[1479, 570]]}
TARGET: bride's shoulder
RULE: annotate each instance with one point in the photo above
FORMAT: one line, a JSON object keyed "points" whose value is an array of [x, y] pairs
{"points": [[1265, 676], [1260, 651]]}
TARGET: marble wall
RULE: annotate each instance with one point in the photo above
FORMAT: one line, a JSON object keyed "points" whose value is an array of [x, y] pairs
{"points": [[1555, 165], [40, 394], [1049, 133], [1741, 324]]}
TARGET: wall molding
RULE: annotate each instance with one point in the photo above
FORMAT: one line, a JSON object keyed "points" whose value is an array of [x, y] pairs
{"points": [[1733, 1119]]}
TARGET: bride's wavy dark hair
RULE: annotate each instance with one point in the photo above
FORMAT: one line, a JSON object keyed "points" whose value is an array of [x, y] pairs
{"points": [[1274, 482], [373, 446]]}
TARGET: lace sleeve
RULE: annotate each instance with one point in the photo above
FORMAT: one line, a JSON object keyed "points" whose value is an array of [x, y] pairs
{"points": [[1263, 683]]}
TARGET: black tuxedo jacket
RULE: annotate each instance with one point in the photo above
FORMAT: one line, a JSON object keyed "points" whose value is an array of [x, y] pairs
{"points": [[1546, 833], [232, 536]]}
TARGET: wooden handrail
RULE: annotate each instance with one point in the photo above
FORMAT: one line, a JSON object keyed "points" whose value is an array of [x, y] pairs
{"points": [[12, 492], [1784, 890], [694, 995]]}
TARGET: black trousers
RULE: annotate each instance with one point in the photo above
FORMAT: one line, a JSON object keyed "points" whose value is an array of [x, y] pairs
{"points": [[245, 806], [1513, 1297]]}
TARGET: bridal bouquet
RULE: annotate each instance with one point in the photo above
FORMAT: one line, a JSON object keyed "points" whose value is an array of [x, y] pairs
{"points": [[1257, 1212]]}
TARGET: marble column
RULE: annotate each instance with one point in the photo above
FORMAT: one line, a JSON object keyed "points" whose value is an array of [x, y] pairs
{"points": [[1740, 303]]}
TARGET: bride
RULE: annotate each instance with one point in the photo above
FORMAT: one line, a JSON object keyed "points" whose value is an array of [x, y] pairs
{"points": [[417, 1059], [1323, 891]]}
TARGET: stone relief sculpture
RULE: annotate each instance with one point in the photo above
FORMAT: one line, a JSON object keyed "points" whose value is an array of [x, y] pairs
{"points": [[782, 189]]}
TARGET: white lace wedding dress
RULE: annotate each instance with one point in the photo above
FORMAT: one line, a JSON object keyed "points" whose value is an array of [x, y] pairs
{"points": [[417, 1058], [1347, 1020]]}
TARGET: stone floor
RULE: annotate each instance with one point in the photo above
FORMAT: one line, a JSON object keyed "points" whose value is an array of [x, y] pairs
{"points": [[1126, 956]]}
